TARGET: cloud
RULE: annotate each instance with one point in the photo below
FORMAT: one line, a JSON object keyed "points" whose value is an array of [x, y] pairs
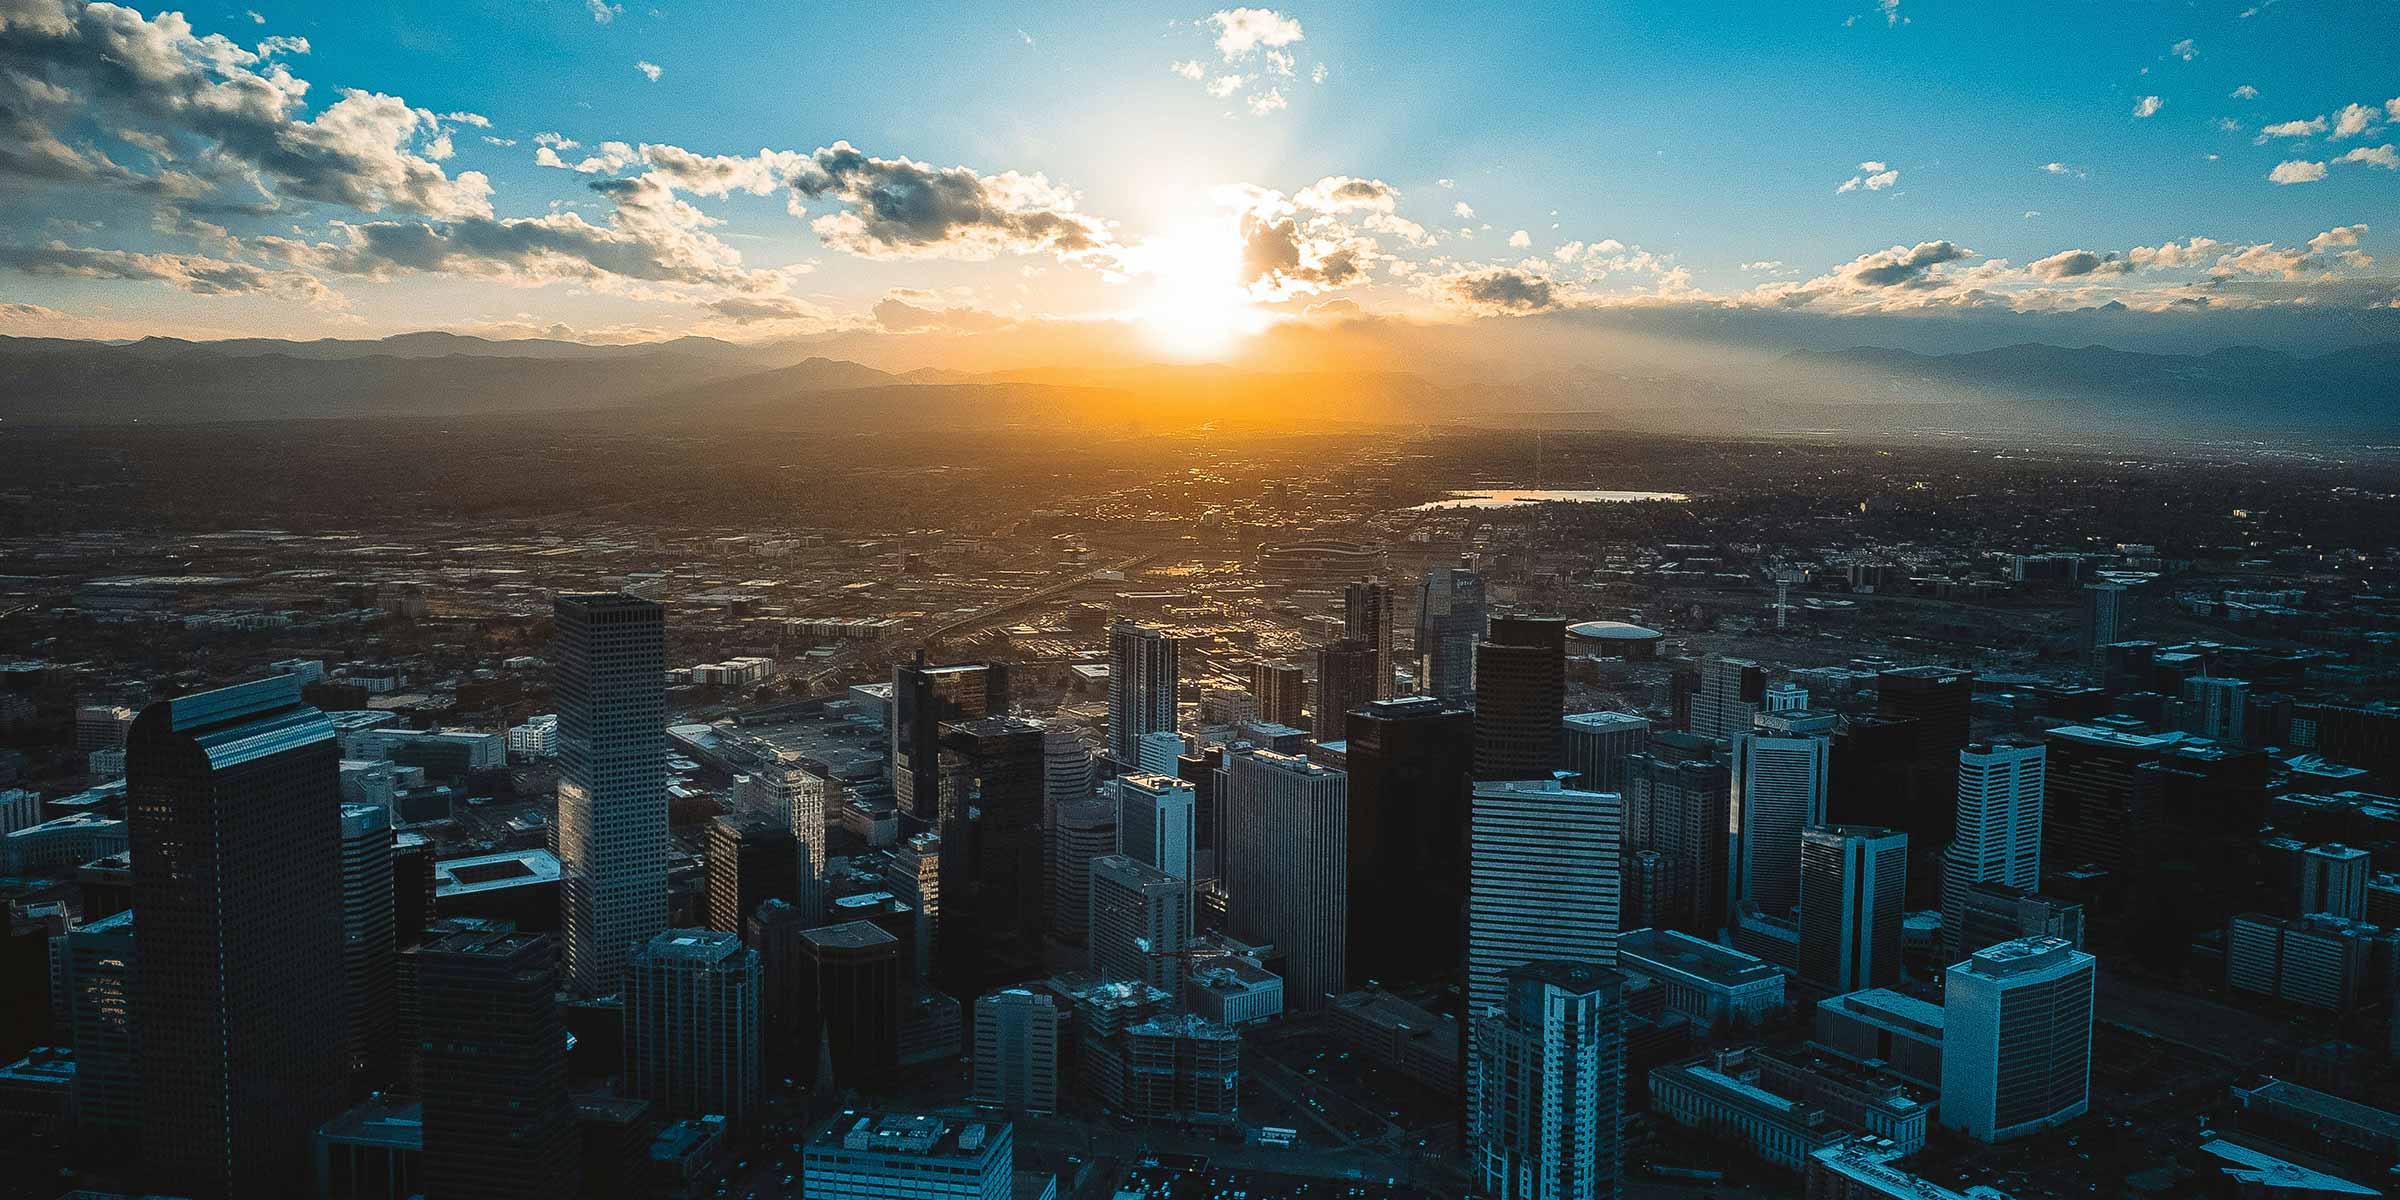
{"points": [[2244, 92], [1464, 210], [1282, 259], [196, 274], [603, 12], [1241, 32], [2184, 50], [2324, 253], [2384, 156], [2148, 106], [908, 310], [650, 70], [1873, 176], [1189, 69], [901, 208], [1266, 102], [235, 115], [2297, 171], [2355, 119], [1519, 240], [750, 310], [1226, 85], [1496, 291], [1900, 266], [2291, 129], [1344, 193], [2060, 168], [2077, 264]]}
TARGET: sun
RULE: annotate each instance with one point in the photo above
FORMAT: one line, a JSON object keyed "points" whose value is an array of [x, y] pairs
{"points": [[1196, 306]]}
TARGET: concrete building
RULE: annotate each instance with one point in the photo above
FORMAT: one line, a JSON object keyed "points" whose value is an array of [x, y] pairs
{"points": [[864, 1155], [1723, 1094], [2017, 1039], [370, 949], [2319, 962], [1019, 1035], [1140, 923], [610, 651], [492, 1073], [234, 804], [1142, 681], [1368, 616], [692, 1025], [752, 858], [100, 1013], [1345, 681], [1711, 986], [1853, 884], [2333, 881], [1878, 1025], [1520, 696], [1732, 691], [1679, 804], [1286, 880], [1281, 690], [1084, 830], [1544, 1123], [1999, 831], [1596, 745], [1398, 1035], [1543, 881], [1778, 791], [1156, 821]]}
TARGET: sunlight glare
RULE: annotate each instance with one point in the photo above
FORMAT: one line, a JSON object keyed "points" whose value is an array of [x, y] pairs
{"points": [[1196, 307]]}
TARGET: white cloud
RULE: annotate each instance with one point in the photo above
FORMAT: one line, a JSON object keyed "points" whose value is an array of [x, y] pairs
{"points": [[1445, 183], [1316, 74], [1280, 62], [1242, 31], [602, 11], [1465, 210], [1189, 69], [2384, 156], [2148, 106], [1267, 101], [1519, 240], [1226, 85], [2184, 50], [650, 70], [2060, 168], [1344, 193], [2354, 119], [1873, 176], [2297, 171], [2292, 129], [2244, 92]]}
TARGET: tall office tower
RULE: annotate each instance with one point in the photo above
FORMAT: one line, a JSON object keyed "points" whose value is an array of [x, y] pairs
{"points": [[751, 859], [1086, 830], [2333, 880], [994, 773], [493, 1067], [878, 1156], [233, 805], [100, 1000], [2213, 707], [1018, 1036], [1999, 837], [924, 698], [1778, 790], [1157, 818], [1286, 880], [1451, 619], [1141, 923], [850, 1001], [2106, 612], [1520, 696], [1595, 746], [2089, 796], [806, 798], [914, 874], [1200, 771], [1411, 768], [1368, 616], [1940, 700], [1281, 689], [1732, 692], [1679, 802], [1853, 881], [1545, 883], [692, 1024], [412, 890], [2017, 1038], [1158, 752], [773, 930], [370, 952], [1142, 676], [1345, 680], [611, 655], [1066, 768], [1545, 1117]]}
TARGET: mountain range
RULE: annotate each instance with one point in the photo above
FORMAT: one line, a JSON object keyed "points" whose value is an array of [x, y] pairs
{"points": [[695, 381]]}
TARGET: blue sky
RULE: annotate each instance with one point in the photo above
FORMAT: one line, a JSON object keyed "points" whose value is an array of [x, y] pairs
{"points": [[1651, 154]]}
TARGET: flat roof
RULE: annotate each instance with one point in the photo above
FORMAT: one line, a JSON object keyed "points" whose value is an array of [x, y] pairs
{"points": [[1688, 955], [493, 872]]}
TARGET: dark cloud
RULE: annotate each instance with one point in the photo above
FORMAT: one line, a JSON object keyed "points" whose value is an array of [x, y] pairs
{"points": [[197, 274], [1501, 290], [1281, 258], [901, 208], [2076, 264], [909, 311], [1901, 266]]}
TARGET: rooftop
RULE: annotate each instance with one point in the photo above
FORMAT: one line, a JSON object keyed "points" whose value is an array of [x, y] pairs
{"points": [[695, 945], [1682, 953], [493, 872], [849, 935], [911, 1134]]}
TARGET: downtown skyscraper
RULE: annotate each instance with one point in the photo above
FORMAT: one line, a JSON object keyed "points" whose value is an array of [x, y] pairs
{"points": [[1142, 675], [924, 698], [1545, 1122], [1520, 697], [1779, 774], [1853, 879], [1285, 879], [1451, 618], [233, 803], [610, 650], [1999, 838], [1368, 616]]}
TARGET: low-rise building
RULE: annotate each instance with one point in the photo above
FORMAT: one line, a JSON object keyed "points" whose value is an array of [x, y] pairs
{"points": [[1707, 984], [1882, 1026]]}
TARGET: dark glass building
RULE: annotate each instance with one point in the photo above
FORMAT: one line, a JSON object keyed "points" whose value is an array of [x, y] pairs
{"points": [[1411, 767], [492, 1067], [1520, 697]]}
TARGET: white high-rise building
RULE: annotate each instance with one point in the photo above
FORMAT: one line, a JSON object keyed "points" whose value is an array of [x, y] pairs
{"points": [[370, 947], [1141, 687], [1066, 768], [2017, 1038], [1085, 830], [1543, 876], [1731, 693], [1158, 751], [1778, 790], [1287, 823], [612, 781], [692, 1024], [1155, 821], [536, 738], [864, 1155], [1999, 838], [1140, 923], [1546, 1124]]}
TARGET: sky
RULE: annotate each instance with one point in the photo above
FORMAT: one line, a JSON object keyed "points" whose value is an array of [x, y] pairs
{"points": [[627, 171]]}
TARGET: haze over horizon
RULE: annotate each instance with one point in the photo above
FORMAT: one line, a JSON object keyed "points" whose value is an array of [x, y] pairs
{"points": [[1322, 185]]}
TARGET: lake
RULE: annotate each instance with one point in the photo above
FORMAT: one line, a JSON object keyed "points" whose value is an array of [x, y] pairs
{"points": [[1519, 497]]}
